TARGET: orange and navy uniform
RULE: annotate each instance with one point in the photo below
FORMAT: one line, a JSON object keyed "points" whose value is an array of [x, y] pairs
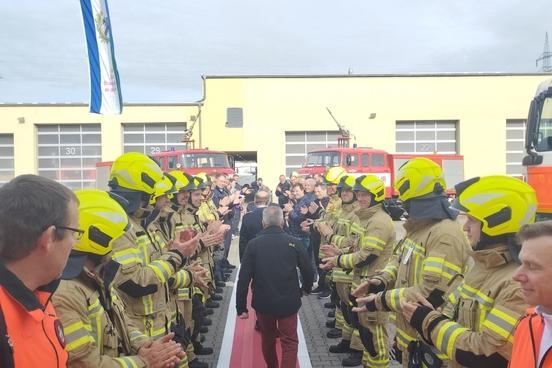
{"points": [[31, 335], [527, 342]]}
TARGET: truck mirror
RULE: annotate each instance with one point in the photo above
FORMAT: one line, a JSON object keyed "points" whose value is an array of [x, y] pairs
{"points": [[532, 160]]}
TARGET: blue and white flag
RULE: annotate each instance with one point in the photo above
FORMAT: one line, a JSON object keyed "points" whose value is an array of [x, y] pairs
{"points": [[105, 88]]}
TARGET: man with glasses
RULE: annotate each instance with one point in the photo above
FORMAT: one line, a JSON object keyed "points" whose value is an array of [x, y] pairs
{"points": [[38, 228]]}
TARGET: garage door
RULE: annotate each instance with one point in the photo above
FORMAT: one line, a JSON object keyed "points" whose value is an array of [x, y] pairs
{"points": [[298, 144], [69, 153], [6, 158], [153, 137], [515, 142], [426, 136]]}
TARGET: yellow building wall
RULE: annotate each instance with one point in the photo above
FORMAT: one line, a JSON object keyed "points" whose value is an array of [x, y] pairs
{"points": [[21, 121], [273, 105]]}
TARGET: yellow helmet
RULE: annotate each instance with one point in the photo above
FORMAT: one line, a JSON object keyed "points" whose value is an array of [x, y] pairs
{"points": [[205, 178], [135, 171], [181, 180], [102, 219], [162, 187], [503, 204], [346, 182], [419, 177], [334, 174], [371, 184]]}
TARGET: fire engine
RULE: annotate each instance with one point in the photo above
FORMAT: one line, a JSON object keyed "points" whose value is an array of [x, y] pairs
{"points": [[191, 160], [366, 160], [538, 144]]}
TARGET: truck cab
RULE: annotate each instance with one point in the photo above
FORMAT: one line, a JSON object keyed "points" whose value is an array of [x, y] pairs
{"points": [[194, 161]]}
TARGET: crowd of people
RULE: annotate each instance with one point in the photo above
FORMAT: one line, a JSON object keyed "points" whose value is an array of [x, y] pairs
{"points": [[124, 278], [129, 277], [472, 291]]}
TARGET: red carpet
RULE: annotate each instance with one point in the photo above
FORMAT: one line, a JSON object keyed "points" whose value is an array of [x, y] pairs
{"points": [[246, 346]]}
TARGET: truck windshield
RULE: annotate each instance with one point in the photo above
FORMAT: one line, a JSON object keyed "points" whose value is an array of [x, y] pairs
{"points": [[329, 158], [544, 138], [198, 160]]}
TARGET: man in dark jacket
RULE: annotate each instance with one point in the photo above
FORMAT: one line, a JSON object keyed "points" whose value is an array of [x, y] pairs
{"points": [[271, 260], [252, 222]]}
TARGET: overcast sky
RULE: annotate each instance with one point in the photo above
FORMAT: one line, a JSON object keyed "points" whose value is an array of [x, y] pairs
{"points": [[164, 46]]}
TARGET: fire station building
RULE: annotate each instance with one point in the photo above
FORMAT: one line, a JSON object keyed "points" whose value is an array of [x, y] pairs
{"points": [[275, 120]]}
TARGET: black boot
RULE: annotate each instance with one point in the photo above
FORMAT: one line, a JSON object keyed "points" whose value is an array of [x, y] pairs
{"points": [[216, 297], [342, 347], [331, 314], [209, 311], [334, 333], [211, 304], [329, 305], [330, 323], [353, 360], [201, 350]]}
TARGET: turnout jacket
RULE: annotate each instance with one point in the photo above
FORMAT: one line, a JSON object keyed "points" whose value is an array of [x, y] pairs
{"points": [[427, 260], [146, 266], [375, 233], [270, 264], [477, 324], [97, 331], [342, 239]]}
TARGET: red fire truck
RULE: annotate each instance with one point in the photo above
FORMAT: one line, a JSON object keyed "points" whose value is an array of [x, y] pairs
{"points": [[365, 160], [192, 161]]}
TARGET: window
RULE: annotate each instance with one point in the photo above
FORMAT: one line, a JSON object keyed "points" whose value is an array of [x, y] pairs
{"points": [[378, 160], [431, 136], [544, 138], [153, 137], [298, 144], [198, 160], [351, 159], [6, 158], [69, 153], [234, 117], [365, 159], [515, 147]]}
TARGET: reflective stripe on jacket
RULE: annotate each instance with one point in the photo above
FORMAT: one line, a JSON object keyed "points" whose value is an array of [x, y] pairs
{"points": [[482, 313], [142, 280], [94, 337], [428, 259]]}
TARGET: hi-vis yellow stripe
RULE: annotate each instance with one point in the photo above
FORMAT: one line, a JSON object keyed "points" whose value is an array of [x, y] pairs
{"points": [[76, 335], [441, 267], [126, 362], [446, 337], [501, 323]]}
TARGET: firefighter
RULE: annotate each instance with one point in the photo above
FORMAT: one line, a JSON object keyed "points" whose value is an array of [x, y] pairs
{"points": [[194, 299], [338, 242], [430, 256], [97, 331], [178, 222], [209, 212], [375, 231], [146, 261], [476, 326], [331, 179]]}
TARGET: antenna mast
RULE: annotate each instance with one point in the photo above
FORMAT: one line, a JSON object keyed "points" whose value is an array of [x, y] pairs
{"points": [[545, 57]]}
